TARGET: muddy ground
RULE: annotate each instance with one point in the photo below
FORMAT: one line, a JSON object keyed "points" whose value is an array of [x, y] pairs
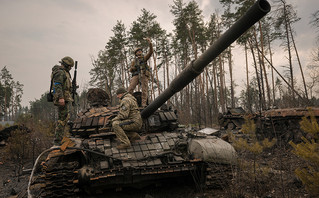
{"points": [[279, 181], [11, 181]]}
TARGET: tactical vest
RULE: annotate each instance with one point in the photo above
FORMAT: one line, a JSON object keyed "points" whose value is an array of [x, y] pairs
{"points": [[130, 101], [141, 66], [67, 87]]}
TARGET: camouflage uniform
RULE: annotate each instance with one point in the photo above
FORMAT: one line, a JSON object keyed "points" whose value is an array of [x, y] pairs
{"points": [[141, 72], [61, 89], [128, 119]]}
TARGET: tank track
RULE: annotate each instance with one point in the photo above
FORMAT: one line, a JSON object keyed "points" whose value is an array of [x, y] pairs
{"points": [[57, 179]]}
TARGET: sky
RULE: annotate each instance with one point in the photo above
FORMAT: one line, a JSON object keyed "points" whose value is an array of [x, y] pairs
{"points": [[36, 34]]}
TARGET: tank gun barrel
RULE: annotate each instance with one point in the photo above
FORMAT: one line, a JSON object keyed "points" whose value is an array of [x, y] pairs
{"points": [[195, 68]]}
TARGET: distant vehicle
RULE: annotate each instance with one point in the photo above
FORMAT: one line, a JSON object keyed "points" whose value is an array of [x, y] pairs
{"points": [[234, 118], [6, 132], [283, 124]]}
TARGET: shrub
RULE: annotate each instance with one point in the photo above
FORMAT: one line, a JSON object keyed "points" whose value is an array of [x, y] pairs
{"points": [[308, 150], [252, 176]]}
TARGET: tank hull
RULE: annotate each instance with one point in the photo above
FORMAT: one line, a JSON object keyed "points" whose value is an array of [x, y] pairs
{"points": [[91, 167]]}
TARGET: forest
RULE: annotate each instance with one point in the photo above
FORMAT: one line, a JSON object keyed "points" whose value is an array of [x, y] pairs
{"points": [[216, 89]]}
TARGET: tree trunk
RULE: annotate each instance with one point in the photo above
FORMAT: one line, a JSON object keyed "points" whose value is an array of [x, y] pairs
{"points": [[302, 74], [208, 104], [231, 78], [260, 54], [215, 89], [272, 72], [247, 79], [5, 104], [156, 72], [257, 76], [127, 72], [263, 63], [167, 70], [221, 91], [289, 53]]}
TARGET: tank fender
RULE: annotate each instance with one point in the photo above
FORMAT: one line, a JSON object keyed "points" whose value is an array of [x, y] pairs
{"points": [[213, 149]]}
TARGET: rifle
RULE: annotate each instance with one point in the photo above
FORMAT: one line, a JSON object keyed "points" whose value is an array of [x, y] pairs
{"points": [[74, 86], [139, 72]]}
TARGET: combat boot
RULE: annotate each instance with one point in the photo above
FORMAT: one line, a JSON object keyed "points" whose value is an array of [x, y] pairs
{"points": [[133, 136], [136, 136], [123, 146]]}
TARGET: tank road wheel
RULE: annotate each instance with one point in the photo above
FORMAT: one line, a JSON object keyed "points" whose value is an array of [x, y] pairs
{"points": [[56, 179]]}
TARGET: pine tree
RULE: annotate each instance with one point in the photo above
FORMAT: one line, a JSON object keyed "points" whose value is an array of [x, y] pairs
{"points": [[7, 80], [10, 95], [252, 145], [308, 150], [285, 16]]}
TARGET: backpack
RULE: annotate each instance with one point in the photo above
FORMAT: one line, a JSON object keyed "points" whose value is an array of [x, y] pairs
{"points": [[50, 94]]}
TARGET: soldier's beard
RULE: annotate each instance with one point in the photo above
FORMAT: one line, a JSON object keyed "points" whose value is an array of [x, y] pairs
{"points": [[67, 68]]}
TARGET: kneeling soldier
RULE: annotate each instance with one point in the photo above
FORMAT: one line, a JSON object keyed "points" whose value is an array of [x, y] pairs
{"points": [[128, 121]]}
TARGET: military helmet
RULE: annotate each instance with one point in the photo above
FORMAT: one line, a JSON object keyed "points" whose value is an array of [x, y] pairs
{"points": [[120, 90], [137, 49], [68, 61]]}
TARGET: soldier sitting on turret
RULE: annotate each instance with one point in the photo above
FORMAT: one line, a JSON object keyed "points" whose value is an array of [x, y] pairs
{"points": [[128, 121]]}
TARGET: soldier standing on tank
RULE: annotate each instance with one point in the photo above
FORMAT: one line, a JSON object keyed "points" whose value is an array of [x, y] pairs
{"points": [[128, 121], [62, 85], [141, 72]]}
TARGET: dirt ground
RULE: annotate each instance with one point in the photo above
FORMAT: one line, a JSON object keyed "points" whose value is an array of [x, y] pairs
{"points": [[279, 181], [11, 181]]}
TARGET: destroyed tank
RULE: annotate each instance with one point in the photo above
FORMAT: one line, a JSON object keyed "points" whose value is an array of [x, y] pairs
{"points": [[283, 124], [233, 118], [88, 162]]}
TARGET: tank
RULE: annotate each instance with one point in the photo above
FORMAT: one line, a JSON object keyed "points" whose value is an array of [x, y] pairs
{"points": [[88, 162], [6, 132], [283, 124], [233, 118]]}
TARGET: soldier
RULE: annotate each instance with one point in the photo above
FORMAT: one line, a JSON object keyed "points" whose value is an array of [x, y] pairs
{"points": [[128, 121], [141, 71], [62, 95]]}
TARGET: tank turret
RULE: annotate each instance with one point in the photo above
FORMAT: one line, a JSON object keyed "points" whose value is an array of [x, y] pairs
{"points": [[195, 68]]}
